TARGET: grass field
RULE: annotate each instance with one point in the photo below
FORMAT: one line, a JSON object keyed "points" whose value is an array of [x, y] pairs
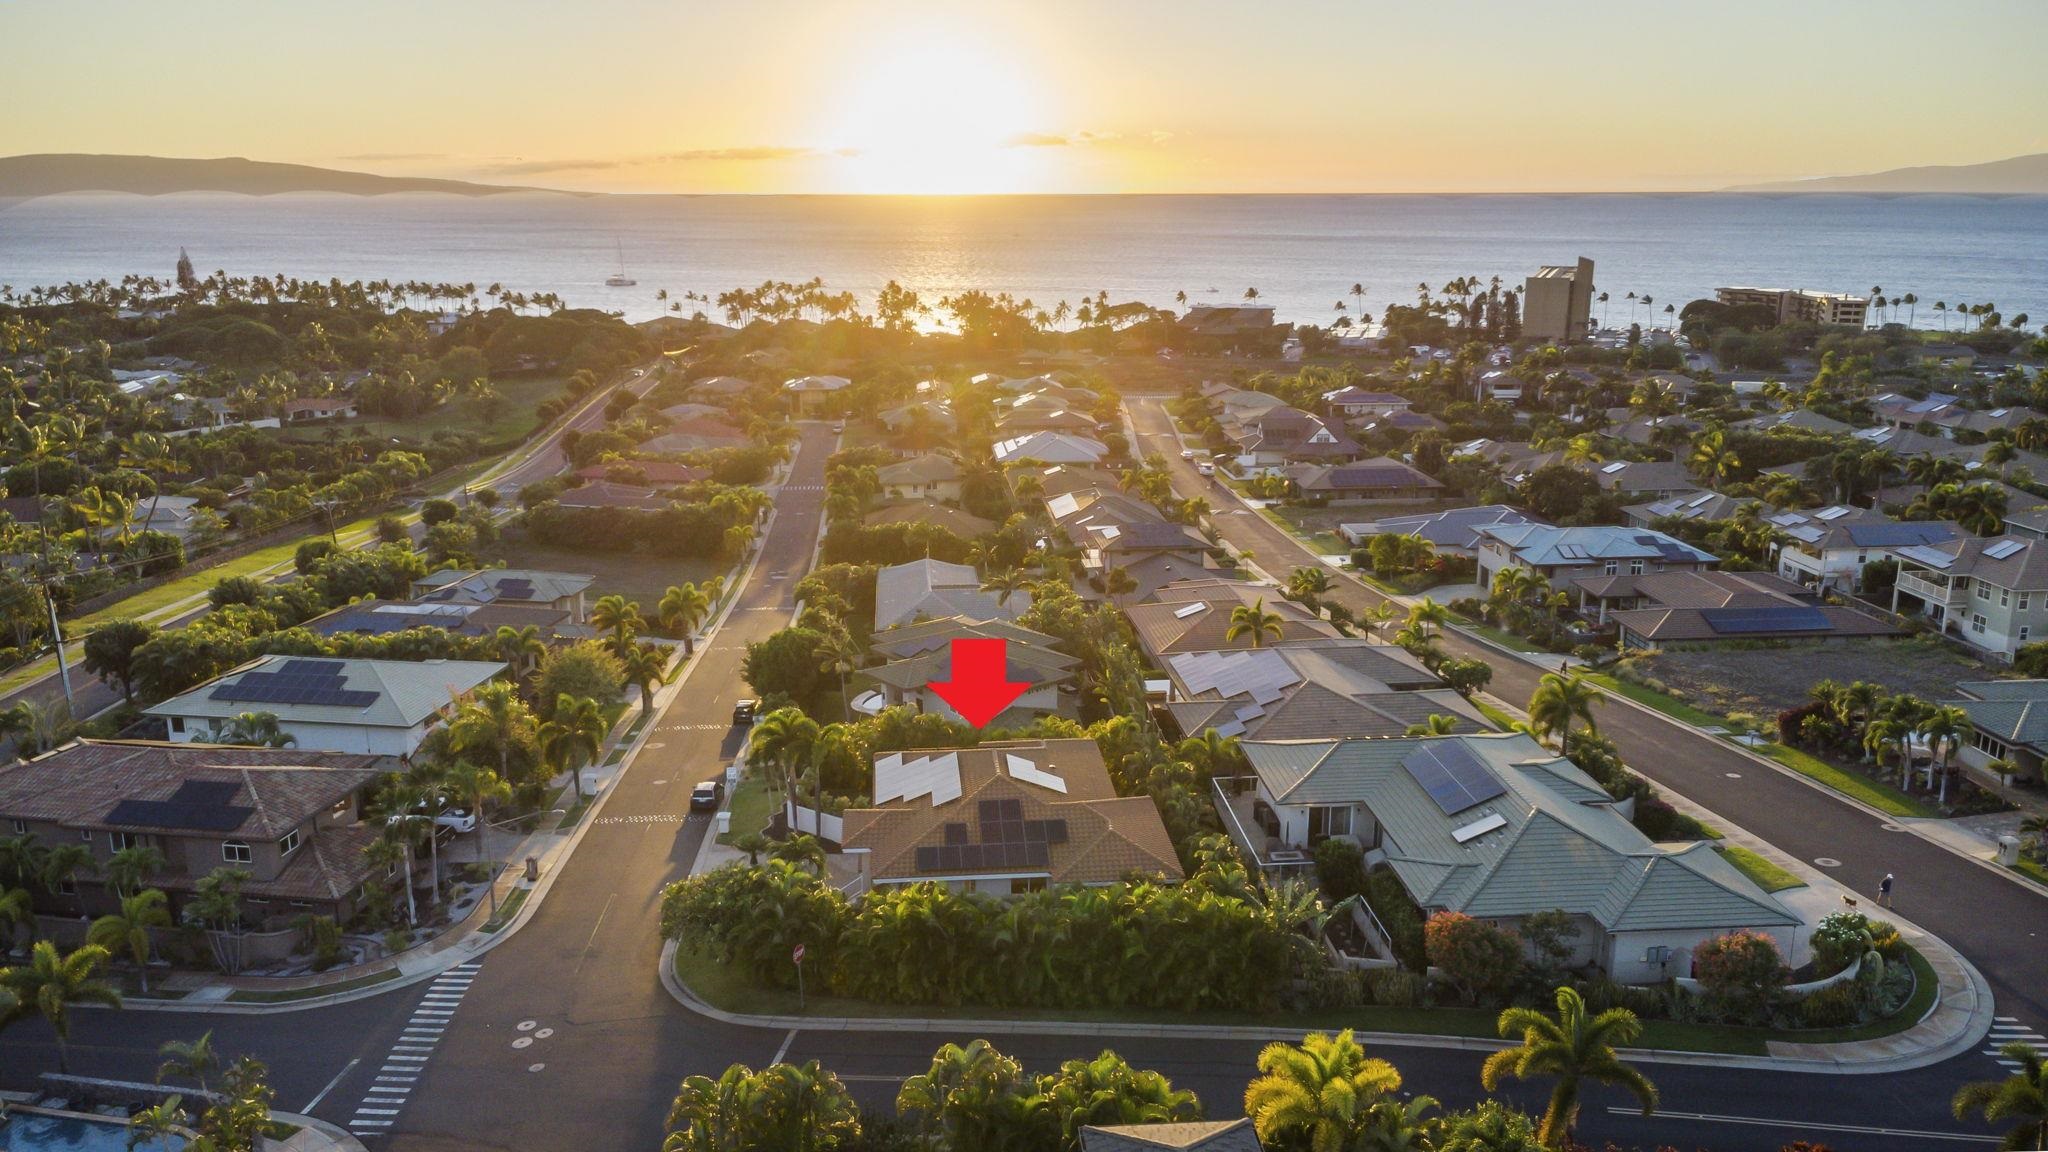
{"points": [[1768, 876], [753, 805], [637, 577], [1878, 795], [510, 417]]}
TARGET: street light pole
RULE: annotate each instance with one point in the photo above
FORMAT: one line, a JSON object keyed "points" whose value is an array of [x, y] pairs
{"points": [[57, 634]]}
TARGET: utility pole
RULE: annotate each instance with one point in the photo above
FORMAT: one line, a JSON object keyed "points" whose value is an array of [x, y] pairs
{"points": [[57, 635]]}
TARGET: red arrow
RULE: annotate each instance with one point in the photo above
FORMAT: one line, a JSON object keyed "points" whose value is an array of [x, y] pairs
{"points": [[980, 688]]}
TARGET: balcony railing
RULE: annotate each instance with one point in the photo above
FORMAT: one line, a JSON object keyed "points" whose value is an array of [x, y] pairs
{"points": [[1928, 590], [1249, 834]]}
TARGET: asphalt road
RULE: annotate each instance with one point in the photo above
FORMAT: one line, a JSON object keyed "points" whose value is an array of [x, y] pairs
{"points": [[608, 1046]]}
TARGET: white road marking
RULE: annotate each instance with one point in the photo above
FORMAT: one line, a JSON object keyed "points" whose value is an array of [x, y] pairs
{"points": [[315, 1101], [399, 1079], [1803, 1125], [784, 1050], [376, 1111]]}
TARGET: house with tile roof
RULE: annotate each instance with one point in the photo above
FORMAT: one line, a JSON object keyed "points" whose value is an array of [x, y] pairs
{"points": [[926, 510], [1826, 548], [1500, 828], [1991, 594], [1363, 482], [1180, 1136], [535, 586], [1318, 689], [1283, 434], [1637, 480], [815, 394], [696, 434], [1798, 419], [1452, 532], [1004, 817], [921, 653], [718, 386], [1047, 410], [290, 817], [1194, 616], [1944, 413], [935, 589], [1561, 555], [658, 473], [1353, 402], [610, 494], [928, 475], [1705, 607], [2009, 723], [371, 707]]}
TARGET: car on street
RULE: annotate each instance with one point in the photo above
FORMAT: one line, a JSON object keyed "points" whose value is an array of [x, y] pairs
{"points": [[744, 711], [1187, 453], [704, 797], [1206, 468], [839, 425]]}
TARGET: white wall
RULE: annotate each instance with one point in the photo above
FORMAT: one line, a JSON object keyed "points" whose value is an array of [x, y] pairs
{"points": [[356, 738]]}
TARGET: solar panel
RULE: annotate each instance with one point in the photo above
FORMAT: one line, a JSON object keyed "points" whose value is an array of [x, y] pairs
{"points": [[295, 682], [2003, 549], [311, 668], [988, 811], [1611, 469], [517, 589], [927, 859], [1789, 618], [1055, 832], [197, 805], [956, 833], [1834, 513], [1452, 776]]}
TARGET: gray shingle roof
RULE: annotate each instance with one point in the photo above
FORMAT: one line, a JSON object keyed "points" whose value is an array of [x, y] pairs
{"points": [[407, 692], [935, 589]]}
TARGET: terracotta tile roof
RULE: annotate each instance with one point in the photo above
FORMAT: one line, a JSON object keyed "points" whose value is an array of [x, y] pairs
{"points": [[1171, 623], [1107, 838]]}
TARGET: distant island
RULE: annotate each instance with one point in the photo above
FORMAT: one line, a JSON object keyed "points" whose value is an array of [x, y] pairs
{"points": [[2019, 176], [55, 173]]}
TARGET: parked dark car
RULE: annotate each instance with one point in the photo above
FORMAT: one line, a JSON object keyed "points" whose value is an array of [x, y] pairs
{"points": [[744, 711], [704, 797]]}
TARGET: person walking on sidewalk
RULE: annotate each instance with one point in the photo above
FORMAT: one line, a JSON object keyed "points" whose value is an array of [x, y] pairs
{"points": [[1884, 891]]}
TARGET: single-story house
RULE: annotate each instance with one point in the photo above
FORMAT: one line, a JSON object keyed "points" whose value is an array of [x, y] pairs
{"points": [[931, 474], [291, 818], [1672, 607], [2008, 721], [696, 434], [656, 473], [718, 386], [1499, 827], [1452, 532], [1194, 616], [1644, 479], [606, 494], [935, 589], [1346, 403], [815, 394], [171, 514], [922, 654], [563, 590], [381, 617], [1004, 817], [309, 409], [1798, 419], [1050, 448], [1176, 1136], [952, 518], [1312, 690], [373, 707], [1368, 480]]}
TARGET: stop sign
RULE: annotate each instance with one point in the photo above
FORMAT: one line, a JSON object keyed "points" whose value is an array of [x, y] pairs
{"points": [[797, 956]]}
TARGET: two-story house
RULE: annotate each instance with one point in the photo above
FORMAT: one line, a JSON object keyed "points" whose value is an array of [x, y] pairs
{"points": [[1827, 548], [921, 654], [289, 818], [1990, 594], [1562, 555], [1352, 402]]}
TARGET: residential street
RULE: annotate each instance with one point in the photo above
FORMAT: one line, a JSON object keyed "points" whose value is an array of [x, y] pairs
{"points": [[2000, 924], [565, 1037]]}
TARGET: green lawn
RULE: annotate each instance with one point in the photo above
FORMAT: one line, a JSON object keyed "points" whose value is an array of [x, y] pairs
{"points": [[753, 805], [246, 996], [1506, 640], [723, 987], [1925, 986], [636, 576], [2032, 870], [1500, 718], [510, 417], [1878, 795], [1768, 876], [507, 910], [1650, 697]]}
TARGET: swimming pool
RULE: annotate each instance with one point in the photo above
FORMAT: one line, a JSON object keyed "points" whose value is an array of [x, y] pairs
{"points": [[24, 1131]]}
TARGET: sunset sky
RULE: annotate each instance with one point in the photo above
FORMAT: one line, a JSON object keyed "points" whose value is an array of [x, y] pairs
{"points": [[1047, 96]]}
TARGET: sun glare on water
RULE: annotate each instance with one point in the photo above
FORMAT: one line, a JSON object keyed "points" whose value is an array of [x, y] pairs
{"points": [[932, 113]]}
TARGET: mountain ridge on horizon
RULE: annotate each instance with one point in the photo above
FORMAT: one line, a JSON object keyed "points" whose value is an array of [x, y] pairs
{"points": [[55, 173], [2013, 176]]}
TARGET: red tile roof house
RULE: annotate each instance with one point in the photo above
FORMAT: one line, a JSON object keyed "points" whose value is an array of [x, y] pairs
{"points": [[308, 409], [291, 818]]}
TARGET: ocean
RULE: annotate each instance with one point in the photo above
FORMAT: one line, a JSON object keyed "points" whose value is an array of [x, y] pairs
{"points": [[1302, 253]]}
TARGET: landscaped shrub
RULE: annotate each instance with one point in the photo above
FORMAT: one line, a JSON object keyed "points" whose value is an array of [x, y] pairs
{"points": [[1340, 868], [1398, 915], [1839, 940], [1835, 1006], [1741, 975], [1395, 988], [1480, 960], [1648, 1003]]}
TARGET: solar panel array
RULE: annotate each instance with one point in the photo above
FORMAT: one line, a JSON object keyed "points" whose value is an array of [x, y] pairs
{"points": [[1008, 840], [2004, 548], [517, 588], [1894, 534], [197, 806], [1732, 621], [318, 682], [1261, 673], [1454, 777]]}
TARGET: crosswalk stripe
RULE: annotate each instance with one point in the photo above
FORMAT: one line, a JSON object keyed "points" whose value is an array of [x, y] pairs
{"points": [[401, 1079], [376, 1111]]}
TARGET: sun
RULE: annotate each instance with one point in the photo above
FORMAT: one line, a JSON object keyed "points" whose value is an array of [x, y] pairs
{"points": [[934, 112]]}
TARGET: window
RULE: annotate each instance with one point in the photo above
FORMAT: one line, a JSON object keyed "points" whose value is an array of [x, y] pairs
{"points": [[1977, 622], [1983, 591], [178, 724], [2023, 633], [1635, 567], [1027, 884], [302, 903], [1332, 821], [85, 834], [1862, 558], [2024, 597], [1984, 742], [121, 841], [236, 852], [2004, 598], [1611, 568], [290, 842], [20, 827]]}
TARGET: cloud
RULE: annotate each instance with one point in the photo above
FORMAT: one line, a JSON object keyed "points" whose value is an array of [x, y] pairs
{"points": [[690, 156], [384, 157], [1075, 139], [1036, 140]]}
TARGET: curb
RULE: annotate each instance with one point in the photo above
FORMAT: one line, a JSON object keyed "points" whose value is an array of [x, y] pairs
{"points": [[343, 1139], [465, 950]]}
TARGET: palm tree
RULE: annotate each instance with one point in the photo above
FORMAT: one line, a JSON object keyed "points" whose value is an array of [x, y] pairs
{"points": [[1435, 724], [423, 789], [1254, 621], [972, 1097], [477, 783], [783, 739], [2022, 1096], [575, 736], [158, 1124], [1006, 584], [1211, 754], [62, 866], [493, 722], [803, 850], [129, 928], [194, 1060], [17, 907], [1711, 459], [519, 647], [130, 868], [681, 609], [1107, 1090], [753, 844], [51, 982], [1318, 1096], [841, 654], [1118, 582], [646, 668], [1559, 700], [620, 617], [1309, 585], [256, 730], [1944, 727], [1572, 1047]]}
